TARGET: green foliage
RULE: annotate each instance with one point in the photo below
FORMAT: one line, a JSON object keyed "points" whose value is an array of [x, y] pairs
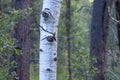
{"points": [[34, 28], [80, 21], [8, 21], [80, 26], [34, 71]]}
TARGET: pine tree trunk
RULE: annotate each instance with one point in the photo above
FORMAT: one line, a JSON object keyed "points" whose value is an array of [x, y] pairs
{"points": [[68, 28], [48, 39], [99, 32], [22, 35]]}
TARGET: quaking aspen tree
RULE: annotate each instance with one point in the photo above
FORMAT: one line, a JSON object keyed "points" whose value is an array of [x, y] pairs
{"points": [[48, 39]]}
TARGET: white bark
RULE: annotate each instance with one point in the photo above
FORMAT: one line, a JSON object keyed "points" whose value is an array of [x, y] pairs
{"points": [[48, 39]]}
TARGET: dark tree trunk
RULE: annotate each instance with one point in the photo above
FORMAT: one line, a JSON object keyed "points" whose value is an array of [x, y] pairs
{"points": [[68, 28], [118, 18], [13, 4], [24, 40], [99, 31], [22, 35], [0, 6]]}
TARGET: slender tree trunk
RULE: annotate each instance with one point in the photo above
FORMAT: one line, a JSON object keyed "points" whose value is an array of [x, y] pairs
{"points": [[22, 35], [118, 18], [1, 6], [68, 28], [99, 31], [12, 4], [48, 39]]}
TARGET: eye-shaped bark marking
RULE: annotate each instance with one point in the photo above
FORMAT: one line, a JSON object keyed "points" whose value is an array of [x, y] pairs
{"points": [[51, 38], [48, 69], [46, 13]]}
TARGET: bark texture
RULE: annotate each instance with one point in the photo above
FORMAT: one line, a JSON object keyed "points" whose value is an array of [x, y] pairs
{"points": [[68, 28], [22, 35], [99, 32], [48, 39]]}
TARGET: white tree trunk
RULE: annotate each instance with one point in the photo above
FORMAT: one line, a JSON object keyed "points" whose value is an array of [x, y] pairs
{"points": [[48, 39]]}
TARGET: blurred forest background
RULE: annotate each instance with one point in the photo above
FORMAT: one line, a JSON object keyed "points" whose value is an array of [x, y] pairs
{"points": [[81, 14]]}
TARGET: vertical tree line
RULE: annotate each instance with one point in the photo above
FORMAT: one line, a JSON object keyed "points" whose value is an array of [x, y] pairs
{"points": [[22, 36], [48, 39], [117, 6], [48, 27], [98, 37], [68, 29], [99, 32], [0, 5]]}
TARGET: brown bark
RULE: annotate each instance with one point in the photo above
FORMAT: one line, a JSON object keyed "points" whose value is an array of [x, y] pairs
{"points": [[23, 38], [68, 28], [22, 32], [99, 32]]}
